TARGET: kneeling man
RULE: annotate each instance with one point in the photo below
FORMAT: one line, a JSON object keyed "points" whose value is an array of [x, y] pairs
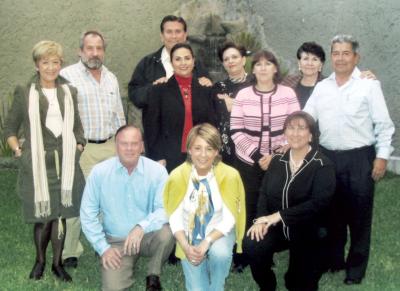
{"points": [[126, 192]]}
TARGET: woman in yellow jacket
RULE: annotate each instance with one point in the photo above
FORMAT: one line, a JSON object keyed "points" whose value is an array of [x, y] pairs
{"points": [[204, 199]]}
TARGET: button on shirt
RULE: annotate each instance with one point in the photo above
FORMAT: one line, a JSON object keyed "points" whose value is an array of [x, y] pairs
{"points": [[352, 115], [99, 103], [123, 200]]}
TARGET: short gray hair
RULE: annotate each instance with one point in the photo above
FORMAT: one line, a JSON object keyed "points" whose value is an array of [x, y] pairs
{"points": [[92, 32], [346, 38]]}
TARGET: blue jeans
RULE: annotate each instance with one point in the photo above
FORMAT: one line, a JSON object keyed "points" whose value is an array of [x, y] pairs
{"points": [[210, 275]]}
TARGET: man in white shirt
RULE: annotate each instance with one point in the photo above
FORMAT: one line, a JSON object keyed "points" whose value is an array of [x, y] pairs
{"points": [[101, 112], [356, 134]]}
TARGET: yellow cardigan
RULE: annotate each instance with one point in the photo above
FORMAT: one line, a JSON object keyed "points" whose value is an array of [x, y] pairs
{"points": [[231, 189]]}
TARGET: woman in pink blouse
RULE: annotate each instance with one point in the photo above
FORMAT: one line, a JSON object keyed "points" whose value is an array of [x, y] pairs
{"points": [[257, 119]]}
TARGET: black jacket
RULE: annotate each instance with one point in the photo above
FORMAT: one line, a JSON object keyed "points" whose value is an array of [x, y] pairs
{"points": [[302, 200], [164, 121]]}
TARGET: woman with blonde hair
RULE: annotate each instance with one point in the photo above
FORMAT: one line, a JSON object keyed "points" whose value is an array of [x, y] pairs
{"points": [[204, 199], [50, 180]]}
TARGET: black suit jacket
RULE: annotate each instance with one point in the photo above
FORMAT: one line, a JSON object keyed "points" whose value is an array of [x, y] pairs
{"points": [[164, 121]]}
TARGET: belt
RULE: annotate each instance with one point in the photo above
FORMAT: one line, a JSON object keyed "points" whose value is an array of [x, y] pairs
{"points": [[99, 141], [350, 150]]}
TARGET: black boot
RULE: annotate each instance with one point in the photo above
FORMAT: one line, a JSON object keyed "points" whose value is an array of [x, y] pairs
{"points": [[60, 273], [57, 242], [41, 237], [153, 283], [37, 271]]}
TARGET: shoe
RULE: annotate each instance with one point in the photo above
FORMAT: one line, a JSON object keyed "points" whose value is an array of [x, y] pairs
{"points": [[60, 273], [71, 262], [238, 268], [172, 260], [349, 281], [153, 283], [37, 271], [337, 268]]}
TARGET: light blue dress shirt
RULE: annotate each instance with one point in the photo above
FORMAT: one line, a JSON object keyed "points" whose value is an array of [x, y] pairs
{"points": [[123, 200], [352, 115]]}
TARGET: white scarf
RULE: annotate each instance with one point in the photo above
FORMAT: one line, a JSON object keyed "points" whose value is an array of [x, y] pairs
{"points": [[41, 188]]}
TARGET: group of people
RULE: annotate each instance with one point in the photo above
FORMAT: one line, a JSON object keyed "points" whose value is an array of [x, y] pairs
{"points": [[232, 171]]}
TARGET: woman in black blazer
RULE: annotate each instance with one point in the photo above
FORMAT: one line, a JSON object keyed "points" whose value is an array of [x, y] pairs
{"points": [[174, 108], [294, 198]]}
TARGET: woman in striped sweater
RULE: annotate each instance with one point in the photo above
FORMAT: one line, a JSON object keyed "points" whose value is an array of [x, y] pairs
{"points": [[258, 114]]}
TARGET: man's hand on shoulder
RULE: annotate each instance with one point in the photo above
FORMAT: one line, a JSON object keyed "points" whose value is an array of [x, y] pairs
{"points": [[160, 80], [368, 75], [133, 241], [204, 81], [379, 169], [111, 259]]}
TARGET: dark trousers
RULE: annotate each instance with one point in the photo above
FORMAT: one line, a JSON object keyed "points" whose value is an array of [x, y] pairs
{"points": [[252, 177], [351, 207], [303, 271]]}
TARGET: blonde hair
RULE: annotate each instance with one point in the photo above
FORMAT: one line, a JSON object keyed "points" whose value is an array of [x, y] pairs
{"points": [[207, 132], [46, 48]]}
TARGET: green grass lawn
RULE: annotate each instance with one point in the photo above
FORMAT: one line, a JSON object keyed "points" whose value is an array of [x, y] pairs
{"points": [[18, 255]]}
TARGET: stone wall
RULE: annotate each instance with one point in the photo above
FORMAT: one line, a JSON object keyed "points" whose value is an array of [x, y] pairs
{"points": [[132, 29], [376, 24]]}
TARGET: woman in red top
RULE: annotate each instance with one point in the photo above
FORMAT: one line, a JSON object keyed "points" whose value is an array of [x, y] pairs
{"points": [[174, 108]]}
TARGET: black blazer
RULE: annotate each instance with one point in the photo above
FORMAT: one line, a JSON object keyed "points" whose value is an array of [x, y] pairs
{"points": [[303, 199], [164, 121]]}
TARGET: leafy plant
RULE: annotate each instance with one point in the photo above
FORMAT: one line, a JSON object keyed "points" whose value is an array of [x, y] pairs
{"points": [[248, 40]]}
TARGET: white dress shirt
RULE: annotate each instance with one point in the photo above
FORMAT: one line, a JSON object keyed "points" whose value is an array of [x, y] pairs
{"points": [[166, 61], [352, 115]]}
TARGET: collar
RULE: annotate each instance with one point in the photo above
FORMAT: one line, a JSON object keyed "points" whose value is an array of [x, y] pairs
{"points": [[354, 75], [309, 156], [209, 175], [219, 172], [183, 81], [83, 68], [165, 56], [138, 170]]}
